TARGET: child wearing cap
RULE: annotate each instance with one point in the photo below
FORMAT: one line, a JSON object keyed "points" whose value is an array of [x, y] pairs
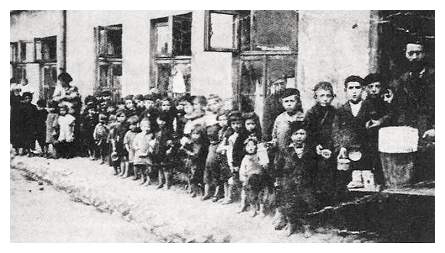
{"points": [[128, 142], [163, 154], [295, 168], [380, 98], [281, 132], [319, 121], [350, 134], [118, 151], [100, 136]]}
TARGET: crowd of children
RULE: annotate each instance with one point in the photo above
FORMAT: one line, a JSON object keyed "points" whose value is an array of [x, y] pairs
{"points": [[220, 154]]}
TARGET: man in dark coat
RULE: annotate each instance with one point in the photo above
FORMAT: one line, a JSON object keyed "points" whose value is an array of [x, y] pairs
{"points": [[414, 105]]}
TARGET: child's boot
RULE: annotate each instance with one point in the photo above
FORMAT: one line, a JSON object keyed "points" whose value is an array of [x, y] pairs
{"points": [[217, 194], [228, 198], [160, 178], [206, 192], [168, 176], [243, 201]]}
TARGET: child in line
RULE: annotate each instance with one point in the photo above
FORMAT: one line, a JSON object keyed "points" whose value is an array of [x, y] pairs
{"points": [[143, 145], [89, 120], [41, 117], [281, 133], [196, 153], [319, 122], [65, 128], [100, 136], [51, 135], [117, 141], [380, 102], [212, 169], [296, 166], [224, 170], [163, 150], [351, 136], [129, 144], [251, 176], [236, 124]]}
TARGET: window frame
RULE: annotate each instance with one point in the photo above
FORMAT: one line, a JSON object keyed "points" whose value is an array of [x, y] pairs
{"points": [[38, 47], [171, 57], [236, 45]]}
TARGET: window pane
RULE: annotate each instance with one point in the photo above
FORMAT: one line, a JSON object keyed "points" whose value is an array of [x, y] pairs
{"points": [[29, 52], [103, 75], [13, 48], [182, 34], [221, 30], [162, 34], [251, 85], [163, 77], [114, 42], [275, 30]]}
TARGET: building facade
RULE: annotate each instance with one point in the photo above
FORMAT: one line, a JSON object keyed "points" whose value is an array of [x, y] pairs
{"points": [[248, 56]]}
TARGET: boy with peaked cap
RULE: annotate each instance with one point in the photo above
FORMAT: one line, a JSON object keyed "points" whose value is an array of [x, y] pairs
{"points": [[351, 135]]}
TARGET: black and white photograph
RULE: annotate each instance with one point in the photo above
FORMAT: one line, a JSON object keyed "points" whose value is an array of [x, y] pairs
{"points": [[222, 126]]}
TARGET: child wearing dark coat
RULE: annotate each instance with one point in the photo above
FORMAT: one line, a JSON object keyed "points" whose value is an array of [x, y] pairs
{"points": [[319, 121], [380, 97], [223, 171], [295, 167], [351, 135], [164, 150], [119, 152], [27, 124], [196, 152], [41, 117], [88, 122]]}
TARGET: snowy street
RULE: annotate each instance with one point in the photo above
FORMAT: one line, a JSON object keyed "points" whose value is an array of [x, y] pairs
{"points": [[170, 216]]}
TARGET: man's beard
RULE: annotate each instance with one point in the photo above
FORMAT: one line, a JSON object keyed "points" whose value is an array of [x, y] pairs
{"points": [[415, 66]]}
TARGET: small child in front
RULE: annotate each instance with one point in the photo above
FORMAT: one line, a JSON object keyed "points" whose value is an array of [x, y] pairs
{"points": [[143, 146]]}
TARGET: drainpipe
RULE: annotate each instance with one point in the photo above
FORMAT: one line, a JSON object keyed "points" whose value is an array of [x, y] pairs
{"points": [[61, 43]]}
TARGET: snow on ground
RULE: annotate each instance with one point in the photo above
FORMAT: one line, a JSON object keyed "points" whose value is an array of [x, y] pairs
{"points": [[171, 215], [39, 213]]}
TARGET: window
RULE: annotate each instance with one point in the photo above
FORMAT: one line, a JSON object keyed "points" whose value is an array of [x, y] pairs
{"points": [[46, 49], [172, 36], [19, 72], [222, 30], [171, 54], [109, 59], [13, 52], [268, 30], [49, 72], [110, 41]]}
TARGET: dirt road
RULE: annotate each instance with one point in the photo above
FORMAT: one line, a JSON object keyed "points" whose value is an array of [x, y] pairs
{"points": [[39, 213]]}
